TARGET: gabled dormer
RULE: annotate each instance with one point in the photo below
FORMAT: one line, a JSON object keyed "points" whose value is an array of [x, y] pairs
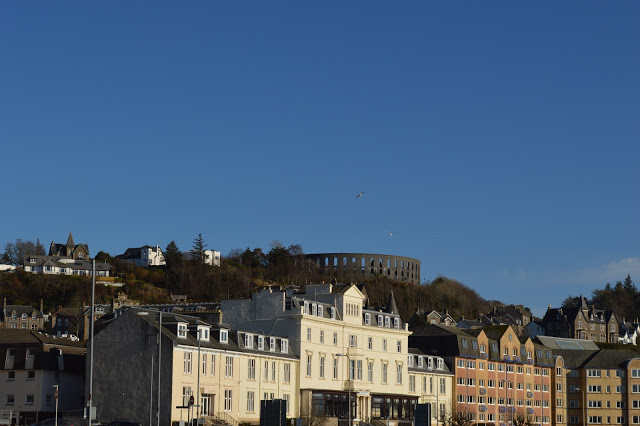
{"points": [[204, 331]]}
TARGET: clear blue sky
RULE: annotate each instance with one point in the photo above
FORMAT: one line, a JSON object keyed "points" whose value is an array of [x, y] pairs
{"points": [[499, 140]]}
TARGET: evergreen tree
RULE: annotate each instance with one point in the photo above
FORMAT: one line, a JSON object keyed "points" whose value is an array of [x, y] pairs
{"points": [[172, 256], [198, 250]]}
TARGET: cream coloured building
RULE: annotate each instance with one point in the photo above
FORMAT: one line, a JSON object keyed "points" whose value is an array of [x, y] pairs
{"points": [[227, 372], [432, 381], [346, 348]]}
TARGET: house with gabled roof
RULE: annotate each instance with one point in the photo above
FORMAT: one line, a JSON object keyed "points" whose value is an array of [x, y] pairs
{"points": [[144, 256], [582, 322], [70, 249], [34, 362], [22, 317]]}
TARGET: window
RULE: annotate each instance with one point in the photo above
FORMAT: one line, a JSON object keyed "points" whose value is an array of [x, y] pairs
{"points": [[399, 346], [399, 374], [412, 383], [443, 386], [31, 375], [29, 399], [224, 336], [321, 336], [384, 372], [250, 402], [335, 339], [261, 343], [186, 363], [186, 394], [285, 396], [228, 366], [309, 365], [335, 368], [287, 372], [182, 330], [284, 346], [228, 406], [380, 321], [308, 334], [367, 319], [251, 369], [272, 344], [353, 341], [384, 345], [322, 367], [11, 375], [359, 370], [387, 322], [396, 323], [370, 343], [370, 371]]}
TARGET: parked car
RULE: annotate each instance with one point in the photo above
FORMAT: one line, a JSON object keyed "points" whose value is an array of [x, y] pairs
{"points": [[123, 423], [52, 422]]}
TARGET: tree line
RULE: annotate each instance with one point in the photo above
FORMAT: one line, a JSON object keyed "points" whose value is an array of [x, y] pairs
{"points": [[241, 272]]}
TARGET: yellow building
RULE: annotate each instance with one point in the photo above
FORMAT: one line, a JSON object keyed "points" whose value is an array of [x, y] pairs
{"points": [[348, 350]]}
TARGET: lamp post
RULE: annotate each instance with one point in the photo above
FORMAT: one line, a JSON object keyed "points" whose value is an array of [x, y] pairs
{"points": [[584, 404], [55, 396], [349, 382]]}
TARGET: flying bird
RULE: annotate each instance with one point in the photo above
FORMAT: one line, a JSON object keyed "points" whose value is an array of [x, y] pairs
{"points": [[360, 195], [391, 234]]}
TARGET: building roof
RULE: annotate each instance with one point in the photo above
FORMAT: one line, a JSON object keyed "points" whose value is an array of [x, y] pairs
{"points": [[562, 343]]}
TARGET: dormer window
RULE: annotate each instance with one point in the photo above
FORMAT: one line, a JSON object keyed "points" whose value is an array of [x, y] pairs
{"points": [[203, 333], [333, 313], [33, 317], [224, 336], [430, 363], [314, 309], [306, 308], [24, 317], [420, 362], [272, 344], [284, 346], [387, 322], [440, 364], [396, 323], [182, 330], [32, 260], [261, 343], [410, 360], [320, 311], [367, 319], [380, 321], [248, 341]]}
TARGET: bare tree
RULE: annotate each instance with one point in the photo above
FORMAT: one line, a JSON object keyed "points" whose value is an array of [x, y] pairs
{"points": [[457, 417], [522, 419], [16, 253]]}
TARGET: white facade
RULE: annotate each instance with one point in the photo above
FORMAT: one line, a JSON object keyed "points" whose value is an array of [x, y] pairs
{"points": [[56, 265], [344, 348], [211, 257]]}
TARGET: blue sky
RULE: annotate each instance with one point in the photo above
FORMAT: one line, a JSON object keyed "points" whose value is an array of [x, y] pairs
{"points": [[499, 140]]}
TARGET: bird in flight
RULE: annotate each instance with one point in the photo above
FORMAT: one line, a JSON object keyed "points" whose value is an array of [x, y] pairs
{"points": [[391, 234], [360, 195]]}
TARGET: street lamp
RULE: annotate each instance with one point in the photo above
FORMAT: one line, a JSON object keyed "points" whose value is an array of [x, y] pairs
{"points": [[349, 376], [584, 403], [55, 396], [507, 383]]}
